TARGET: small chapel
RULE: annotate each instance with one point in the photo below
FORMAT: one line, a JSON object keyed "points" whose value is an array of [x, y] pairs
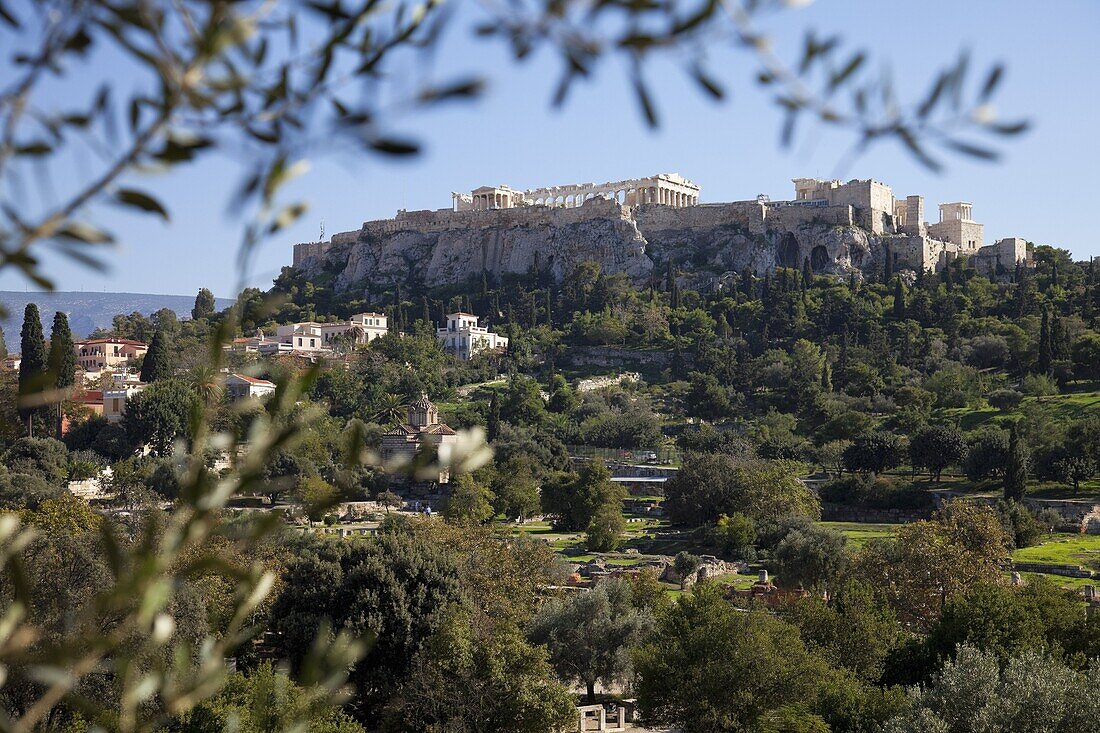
{"points": [[404, 440]]}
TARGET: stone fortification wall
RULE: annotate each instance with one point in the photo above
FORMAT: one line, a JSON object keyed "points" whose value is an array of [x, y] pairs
{"points": [[441, 220], [794, 217], [706, 242], [305, 250]]}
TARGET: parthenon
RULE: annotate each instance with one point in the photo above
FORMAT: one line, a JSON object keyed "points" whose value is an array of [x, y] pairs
{"points": [[666, 189]]}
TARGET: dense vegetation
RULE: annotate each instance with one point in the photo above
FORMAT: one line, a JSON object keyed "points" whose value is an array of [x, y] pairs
{"points": [[890, 390]]}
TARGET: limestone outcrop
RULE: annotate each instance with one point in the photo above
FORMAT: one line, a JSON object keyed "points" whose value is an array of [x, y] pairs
{"points": [[430, 249]]}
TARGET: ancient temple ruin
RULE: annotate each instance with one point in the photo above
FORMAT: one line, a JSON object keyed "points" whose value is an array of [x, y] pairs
{"points": [[665, 189], [628, 225]]}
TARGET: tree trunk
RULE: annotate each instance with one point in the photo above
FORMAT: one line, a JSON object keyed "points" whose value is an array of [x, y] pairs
{"points": [[591, 691]]}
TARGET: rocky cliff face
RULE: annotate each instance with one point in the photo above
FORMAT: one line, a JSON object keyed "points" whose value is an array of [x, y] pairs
{"points": [[705, 242]]}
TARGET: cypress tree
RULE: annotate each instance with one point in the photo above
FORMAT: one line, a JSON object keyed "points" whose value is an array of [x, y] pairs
{"points": [[748, 284], [32, 366], [1016, 468], [899, 300], [204, 304], [1042, 364], [887, 265], [549, 309], [492, 425], [426, 314], [3, 345], [826, 377], [62, 358], [807, 273], [1060, 347], [157, 363]]}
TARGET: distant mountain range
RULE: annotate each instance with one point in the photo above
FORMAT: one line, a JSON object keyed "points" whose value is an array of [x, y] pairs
{"points": [[88, 311]]}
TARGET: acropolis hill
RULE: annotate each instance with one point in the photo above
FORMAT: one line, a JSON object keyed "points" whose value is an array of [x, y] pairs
{"points": [[635, 226]]}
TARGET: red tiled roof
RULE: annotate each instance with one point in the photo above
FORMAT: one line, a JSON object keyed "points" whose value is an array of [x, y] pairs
{"points": [[91, 396], [252, 380], [127, 342], [439, 429]]}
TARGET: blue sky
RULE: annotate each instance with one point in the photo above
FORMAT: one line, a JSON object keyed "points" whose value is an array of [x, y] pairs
{"points": [[1041, 189]]}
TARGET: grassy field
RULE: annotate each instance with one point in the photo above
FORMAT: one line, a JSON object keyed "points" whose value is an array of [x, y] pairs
{"points": [[858, 534], [1063, 549], [1063, 408]]}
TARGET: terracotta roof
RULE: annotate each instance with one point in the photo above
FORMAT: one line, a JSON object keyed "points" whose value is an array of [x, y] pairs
{"points": [[439, 429], [91, 396], [252, 380], [423, 403], [401, 429], [127, 342]]}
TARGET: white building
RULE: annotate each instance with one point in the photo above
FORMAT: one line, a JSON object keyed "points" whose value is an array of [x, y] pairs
{"points": [[115, 398], [310, 338], [366, 327], [240, 387], [465, 339], [306, 336]]}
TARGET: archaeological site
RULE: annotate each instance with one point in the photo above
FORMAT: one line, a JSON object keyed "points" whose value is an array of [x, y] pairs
{"points": [[636, 226]]}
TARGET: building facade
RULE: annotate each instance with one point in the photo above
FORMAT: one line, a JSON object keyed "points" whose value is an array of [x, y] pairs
{"points": [[402, 442], [463, 337], [96, 355], [242, 387], [662, 189]]}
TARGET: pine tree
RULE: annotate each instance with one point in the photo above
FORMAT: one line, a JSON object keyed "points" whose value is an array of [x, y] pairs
{"points": [[1043, 363], [899, 300], [204, 304], [157, 363], [1015, 482], [32, 366]]}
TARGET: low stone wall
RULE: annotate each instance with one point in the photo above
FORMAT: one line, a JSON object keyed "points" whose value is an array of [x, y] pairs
{"points": [[1079, 515], [1068, 571], [606, 356]]}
